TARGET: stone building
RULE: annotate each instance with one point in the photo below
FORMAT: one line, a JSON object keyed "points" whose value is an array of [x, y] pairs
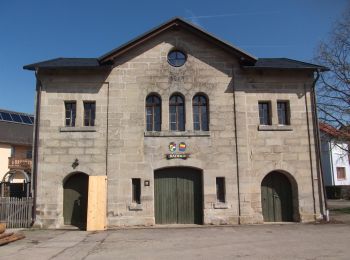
{"points": [[175, 126]]}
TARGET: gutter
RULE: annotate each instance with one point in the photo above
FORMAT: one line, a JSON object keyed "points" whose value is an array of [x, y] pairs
{"points": [[321, 187], [236, 150], [36, 141]]}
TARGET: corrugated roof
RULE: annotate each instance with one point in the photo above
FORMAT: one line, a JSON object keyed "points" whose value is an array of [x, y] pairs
{"points": [[12, 133], [16, 129]]}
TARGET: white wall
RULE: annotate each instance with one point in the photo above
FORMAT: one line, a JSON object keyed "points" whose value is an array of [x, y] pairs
{"points": [[340, 158], [5, 153]]}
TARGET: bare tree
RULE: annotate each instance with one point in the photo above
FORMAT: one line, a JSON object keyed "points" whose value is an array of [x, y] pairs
{"points": [[333, 89]]}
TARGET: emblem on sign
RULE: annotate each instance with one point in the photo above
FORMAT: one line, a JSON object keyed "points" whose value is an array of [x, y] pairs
{"points": [[172, 147], [182, 147], [174, 155]]}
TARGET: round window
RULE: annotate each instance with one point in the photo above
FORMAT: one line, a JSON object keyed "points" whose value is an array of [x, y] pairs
{"points": [[176, 58]]}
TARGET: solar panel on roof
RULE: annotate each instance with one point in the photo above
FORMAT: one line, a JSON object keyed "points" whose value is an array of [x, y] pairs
{"points": [[26, 119], [32, 118], [6, 116], [16, 118]]}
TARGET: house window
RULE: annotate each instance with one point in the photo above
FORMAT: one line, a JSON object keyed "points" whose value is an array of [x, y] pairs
{"points": [[200, 113], [89, 113], [177, 113], [29, 154], [283, 112], [136, 190], [220, 189], [341, 175], [265, 113], [71, 109], [176, 58], [153, 113]]}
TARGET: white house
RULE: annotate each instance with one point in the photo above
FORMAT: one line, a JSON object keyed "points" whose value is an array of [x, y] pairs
{"points": [[334, 157]]}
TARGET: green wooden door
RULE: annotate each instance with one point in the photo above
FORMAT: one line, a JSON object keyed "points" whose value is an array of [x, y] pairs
{"points": [[75, 200], [178, 196], [276, 198]]}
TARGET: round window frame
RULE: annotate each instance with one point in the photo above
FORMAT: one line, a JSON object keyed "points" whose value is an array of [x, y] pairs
{"points": [[179, 51]]}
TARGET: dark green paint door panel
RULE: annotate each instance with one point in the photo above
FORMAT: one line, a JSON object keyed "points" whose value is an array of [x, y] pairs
{"points": [[178, 196], [276, 198], [75, 200]]}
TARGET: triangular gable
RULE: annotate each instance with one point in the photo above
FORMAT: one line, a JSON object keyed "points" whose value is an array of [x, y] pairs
{"points": [[176, 23]]}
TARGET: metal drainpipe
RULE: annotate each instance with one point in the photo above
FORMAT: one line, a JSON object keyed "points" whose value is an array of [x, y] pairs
{"points": [[236, 149], [324, 210], [36, 140]]}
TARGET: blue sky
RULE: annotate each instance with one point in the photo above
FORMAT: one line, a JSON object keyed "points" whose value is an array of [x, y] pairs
{"points": [[32, 31]]}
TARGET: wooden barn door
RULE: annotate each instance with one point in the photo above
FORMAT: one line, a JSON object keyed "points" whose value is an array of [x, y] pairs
{"points": [[276, 198], [75, 196], [178, 196]]}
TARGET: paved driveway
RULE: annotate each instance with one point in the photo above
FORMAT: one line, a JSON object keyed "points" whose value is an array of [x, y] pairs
{"points": [[288, 241]]}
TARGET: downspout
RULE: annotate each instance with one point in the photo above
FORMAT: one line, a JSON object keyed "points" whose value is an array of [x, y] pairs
{"points": [[236, 150], [322, 198], [36, 141], [107, 124]]}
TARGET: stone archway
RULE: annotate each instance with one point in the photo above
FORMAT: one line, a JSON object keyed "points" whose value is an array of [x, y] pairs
{"points": [[277, 198], [75, 199]]}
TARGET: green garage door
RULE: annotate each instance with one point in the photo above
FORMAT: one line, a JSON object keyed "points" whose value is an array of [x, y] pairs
{"points": [[276, 198], [178, 196]]}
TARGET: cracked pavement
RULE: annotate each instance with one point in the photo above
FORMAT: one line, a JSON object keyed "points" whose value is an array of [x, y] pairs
{"points": [[273, 241]]}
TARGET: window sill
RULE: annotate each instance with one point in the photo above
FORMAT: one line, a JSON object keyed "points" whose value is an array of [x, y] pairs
{"points": [[173, 133], [220, 205], [78, 129], [135, 207], [275, 128]]}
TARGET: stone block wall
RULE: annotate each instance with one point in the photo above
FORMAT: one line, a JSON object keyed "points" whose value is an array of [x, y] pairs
{"points": [[124, 150]]}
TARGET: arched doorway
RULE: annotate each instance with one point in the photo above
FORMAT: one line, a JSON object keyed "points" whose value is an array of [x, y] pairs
{"points": [[75, 197], [178, 196], [276, 198]]}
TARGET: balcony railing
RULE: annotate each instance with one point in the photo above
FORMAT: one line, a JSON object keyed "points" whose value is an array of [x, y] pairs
{"points": [[20, 163]]}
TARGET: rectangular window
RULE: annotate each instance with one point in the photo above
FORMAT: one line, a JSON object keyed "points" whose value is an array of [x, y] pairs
{"points": [[89, 113], [136, 190], [29, 154], [71, 107], [341, 173], [283, 112], [220, 189], [264, 113]]}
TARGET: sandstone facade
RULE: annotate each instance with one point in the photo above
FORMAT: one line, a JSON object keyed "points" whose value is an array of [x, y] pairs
{"points": [[235, 147]]}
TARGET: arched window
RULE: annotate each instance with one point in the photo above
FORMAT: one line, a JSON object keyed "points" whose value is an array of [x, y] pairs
{"points": [[200, 113], [153, 113], [177, 113]]}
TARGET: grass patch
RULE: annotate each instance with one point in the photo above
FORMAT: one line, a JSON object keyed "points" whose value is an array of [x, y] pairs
{"points": [[343, 210]]}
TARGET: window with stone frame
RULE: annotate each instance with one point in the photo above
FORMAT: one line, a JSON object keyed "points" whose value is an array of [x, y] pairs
{"points": [[136, 190], [341, 175], [200, 113], [220, 189], [153, 113], [89, 113], [177, 113], [70, 113], [265, 113], [283, 112]]}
